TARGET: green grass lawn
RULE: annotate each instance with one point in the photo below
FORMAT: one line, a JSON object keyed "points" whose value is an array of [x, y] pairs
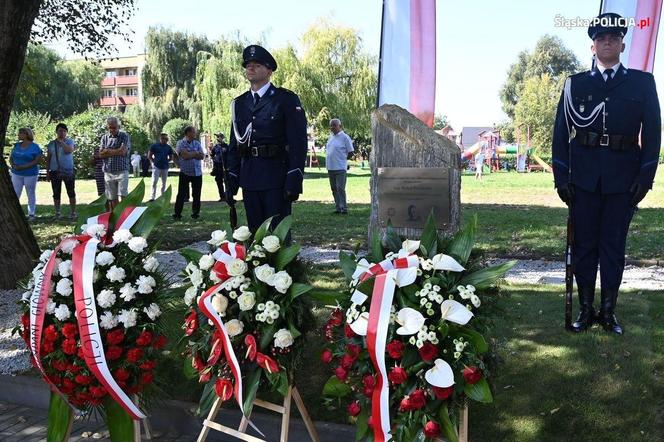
{"points": [[519, 215]]}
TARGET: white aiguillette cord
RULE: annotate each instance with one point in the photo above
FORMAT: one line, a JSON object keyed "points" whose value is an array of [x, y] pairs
{"points": [[577, 119], [246, 137]]}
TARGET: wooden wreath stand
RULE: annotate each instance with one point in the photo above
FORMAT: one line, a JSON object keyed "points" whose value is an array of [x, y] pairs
{"points": [[284, 410], [463, 424]]}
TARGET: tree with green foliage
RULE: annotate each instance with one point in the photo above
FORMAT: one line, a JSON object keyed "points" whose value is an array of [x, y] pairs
{"points": [[51, 85], [175, 130], [550, 56], [41, 125], [439, 122]]}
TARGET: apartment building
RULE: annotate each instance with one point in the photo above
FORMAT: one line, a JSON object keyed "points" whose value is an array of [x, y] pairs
{"points": [[121, 85]]}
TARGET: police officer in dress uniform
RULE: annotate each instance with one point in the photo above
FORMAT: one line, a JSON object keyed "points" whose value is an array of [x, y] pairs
{"points": [[268, 144], [600, 168]]}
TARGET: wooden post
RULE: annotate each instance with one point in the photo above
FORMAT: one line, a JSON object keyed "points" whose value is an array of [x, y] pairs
{"points": [[283, 409], [463, 424]]}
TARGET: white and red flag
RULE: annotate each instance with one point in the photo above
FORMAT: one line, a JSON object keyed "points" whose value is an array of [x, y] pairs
{"points": [[407, 73]]}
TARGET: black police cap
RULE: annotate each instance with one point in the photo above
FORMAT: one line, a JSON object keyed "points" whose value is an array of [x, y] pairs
{"points": [[607, 23], [260, 55]]}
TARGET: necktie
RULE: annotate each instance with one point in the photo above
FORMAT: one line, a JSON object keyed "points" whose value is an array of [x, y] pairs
{"points": [[609, 75], [256, 98]]}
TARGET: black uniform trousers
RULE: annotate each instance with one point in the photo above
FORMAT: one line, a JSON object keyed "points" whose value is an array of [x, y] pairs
{"points": [[183, 193], [262, 204], [601, 222]]}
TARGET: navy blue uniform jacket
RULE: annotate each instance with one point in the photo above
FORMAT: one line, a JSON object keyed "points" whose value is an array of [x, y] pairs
{"points": [[632, 107]]}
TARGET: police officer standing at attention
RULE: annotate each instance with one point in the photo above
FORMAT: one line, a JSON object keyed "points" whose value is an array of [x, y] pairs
{"points": [[268, 144], [599, 167]]}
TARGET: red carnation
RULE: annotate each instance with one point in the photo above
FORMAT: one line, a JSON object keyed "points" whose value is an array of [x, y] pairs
{"points": [[397, 375], [395, 349], [115, 337], [69, 330], [224, 388], [144, 339], [431, 430], [353, 350], [443, 393], [348, 331], [98, 392], [80, 353], [47, 347], [267, 363], [428, 352], [354, 408], [148, 365], [113, 353], [146, 378], [252, 348], [159, 342], [326, 356], [121, 375], [67, 386], [369, 381], [341, 373], [59, 365], [54, 379], [413, 401], [472, 374], [73, 369], [336, 318], [50, 334], [69, 346], [197, 363], [134, 355], [82, 379], [191, 323], [347, 362]]}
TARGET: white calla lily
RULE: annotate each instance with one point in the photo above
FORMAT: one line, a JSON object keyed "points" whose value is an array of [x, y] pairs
{"points": [[406, 277], [360, 325], [440, 375], [358, 297], [362, 266], [454, 311], [446, 262], [410, 246], [410, 320]]}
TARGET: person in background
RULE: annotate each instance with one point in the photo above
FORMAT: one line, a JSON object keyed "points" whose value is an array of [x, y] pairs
{"points": [[136, 164], [160, 155], [145, 166], [219, 155], [190, 152], [114, 151], [337, 152], [479, 162], [24, 161], [60, 161]]}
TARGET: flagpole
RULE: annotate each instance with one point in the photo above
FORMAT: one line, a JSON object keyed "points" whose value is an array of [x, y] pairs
{"points": [[380, 56]]}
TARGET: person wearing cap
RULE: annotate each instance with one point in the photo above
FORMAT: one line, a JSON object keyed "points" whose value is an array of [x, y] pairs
{"points": [[605, 150], [268, 144], [219, 154]]}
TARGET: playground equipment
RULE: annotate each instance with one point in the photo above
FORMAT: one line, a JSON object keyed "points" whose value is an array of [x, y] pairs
{"points": [[470, 152]]}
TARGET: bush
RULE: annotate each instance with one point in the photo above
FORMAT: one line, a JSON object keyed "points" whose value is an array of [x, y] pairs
{"points": [[175, 130], [40, 124], [88, 127]]}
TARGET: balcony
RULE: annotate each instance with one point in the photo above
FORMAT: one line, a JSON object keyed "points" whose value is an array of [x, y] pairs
{"points": [[108, 101], [108, 81], [127, 99], [126, 80]]}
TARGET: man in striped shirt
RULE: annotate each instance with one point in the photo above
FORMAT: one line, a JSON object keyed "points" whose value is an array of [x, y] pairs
{"points": [[114, 151]]}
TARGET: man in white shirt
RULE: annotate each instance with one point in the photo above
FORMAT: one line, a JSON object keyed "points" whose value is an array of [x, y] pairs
{"points": [[339, 148]]}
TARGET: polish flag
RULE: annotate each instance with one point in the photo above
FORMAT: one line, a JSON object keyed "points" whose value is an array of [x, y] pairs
{"points": [[407, 73], [641, 39]]}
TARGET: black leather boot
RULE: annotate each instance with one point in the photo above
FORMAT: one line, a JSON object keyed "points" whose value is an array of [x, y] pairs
{"points": [[607, 316], [587, 313]]}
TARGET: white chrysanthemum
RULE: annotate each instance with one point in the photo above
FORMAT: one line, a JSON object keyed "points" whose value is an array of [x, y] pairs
{"points": [[122, 235], [206, 262], [246, 300], [108, 321], [217, 237], [153, 311], [190, 295], [64, 268], [128, 317], [116, 274], [46, 254], [96, 230], [128, 292], [283, 338], [234, 327], [106, 298], [68, 246], [281, 281], [195, 274], [145, 284], [220, 304], [242, 233], [150, 264], [236, 267], [50, 307], [56, 267], [137, 244], [62, 312], [271, 243], [64, 287], [104, 258]]}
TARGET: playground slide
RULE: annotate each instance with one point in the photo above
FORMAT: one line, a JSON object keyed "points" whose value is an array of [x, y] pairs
{"points": [[505, 149], [541, 163], [472, 150]]}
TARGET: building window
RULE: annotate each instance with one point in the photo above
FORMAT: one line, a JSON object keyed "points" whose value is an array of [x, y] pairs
{"points": [[131, 92], [110, 74], [109, 93], [131, 71]]}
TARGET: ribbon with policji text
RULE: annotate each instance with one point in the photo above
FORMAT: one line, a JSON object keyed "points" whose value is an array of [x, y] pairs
{"points": [[385, 274], [83, 261], [226, 253]]}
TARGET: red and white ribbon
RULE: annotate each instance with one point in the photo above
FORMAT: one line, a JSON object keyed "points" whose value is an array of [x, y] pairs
{"points": [[83, 264], [127, 219], [224, 255], [379, 320]]}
